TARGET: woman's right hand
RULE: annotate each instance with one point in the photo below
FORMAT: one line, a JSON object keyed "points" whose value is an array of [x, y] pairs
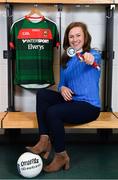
{"points": [[66, 93]]}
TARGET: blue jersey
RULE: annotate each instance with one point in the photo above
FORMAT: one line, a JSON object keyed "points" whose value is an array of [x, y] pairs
{"points": [[82, 79]]}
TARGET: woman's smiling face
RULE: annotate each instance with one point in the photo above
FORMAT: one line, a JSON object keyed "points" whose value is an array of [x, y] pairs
{"points": [[76, 38]]}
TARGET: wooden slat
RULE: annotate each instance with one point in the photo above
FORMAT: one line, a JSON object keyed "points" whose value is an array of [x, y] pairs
{"points": [[106, 120], [2, 1], [28, 120], [2, 114], [20, 120], [63, 1]]}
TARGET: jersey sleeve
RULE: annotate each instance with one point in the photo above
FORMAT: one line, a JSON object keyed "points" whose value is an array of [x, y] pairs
{"points": [[12, 40]]}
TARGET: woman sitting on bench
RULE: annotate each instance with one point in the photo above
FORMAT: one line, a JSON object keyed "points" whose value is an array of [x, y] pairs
{"points": [[78, 98]]}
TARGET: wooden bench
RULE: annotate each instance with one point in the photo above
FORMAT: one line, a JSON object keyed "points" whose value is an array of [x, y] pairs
{"points": [[106, 120]]}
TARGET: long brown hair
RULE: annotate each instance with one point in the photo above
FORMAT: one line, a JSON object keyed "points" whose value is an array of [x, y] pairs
{"points": [[87, 40]]}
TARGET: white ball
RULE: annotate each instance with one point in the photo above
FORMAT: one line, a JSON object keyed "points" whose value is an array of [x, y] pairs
{"points": [[29, 165]]}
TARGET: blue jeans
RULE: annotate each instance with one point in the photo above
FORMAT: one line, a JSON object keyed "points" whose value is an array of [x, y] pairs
{"points": [[53, 111]]}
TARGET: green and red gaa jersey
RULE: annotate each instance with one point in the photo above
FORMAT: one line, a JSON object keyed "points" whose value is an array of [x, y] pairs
{"points": [[33, 50]]}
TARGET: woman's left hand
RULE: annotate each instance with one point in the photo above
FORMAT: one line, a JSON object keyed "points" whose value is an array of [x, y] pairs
{"points": [[66, 93], [88, 58]]}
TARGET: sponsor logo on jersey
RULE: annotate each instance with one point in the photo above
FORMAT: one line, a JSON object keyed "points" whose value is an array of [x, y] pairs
{"points": [[44, 41], [35, 34], [39, 47]]}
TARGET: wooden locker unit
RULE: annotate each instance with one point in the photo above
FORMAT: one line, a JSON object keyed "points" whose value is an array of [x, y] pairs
{"points": [[27, 119]]}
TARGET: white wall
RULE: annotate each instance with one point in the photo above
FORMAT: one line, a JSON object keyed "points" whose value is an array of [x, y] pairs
{"points": [[115, 65], [3, 62], [93, 16]]}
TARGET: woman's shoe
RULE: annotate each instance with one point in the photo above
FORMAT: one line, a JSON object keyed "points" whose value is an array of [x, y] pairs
{"points": [[61, 160], [43, 147]]}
